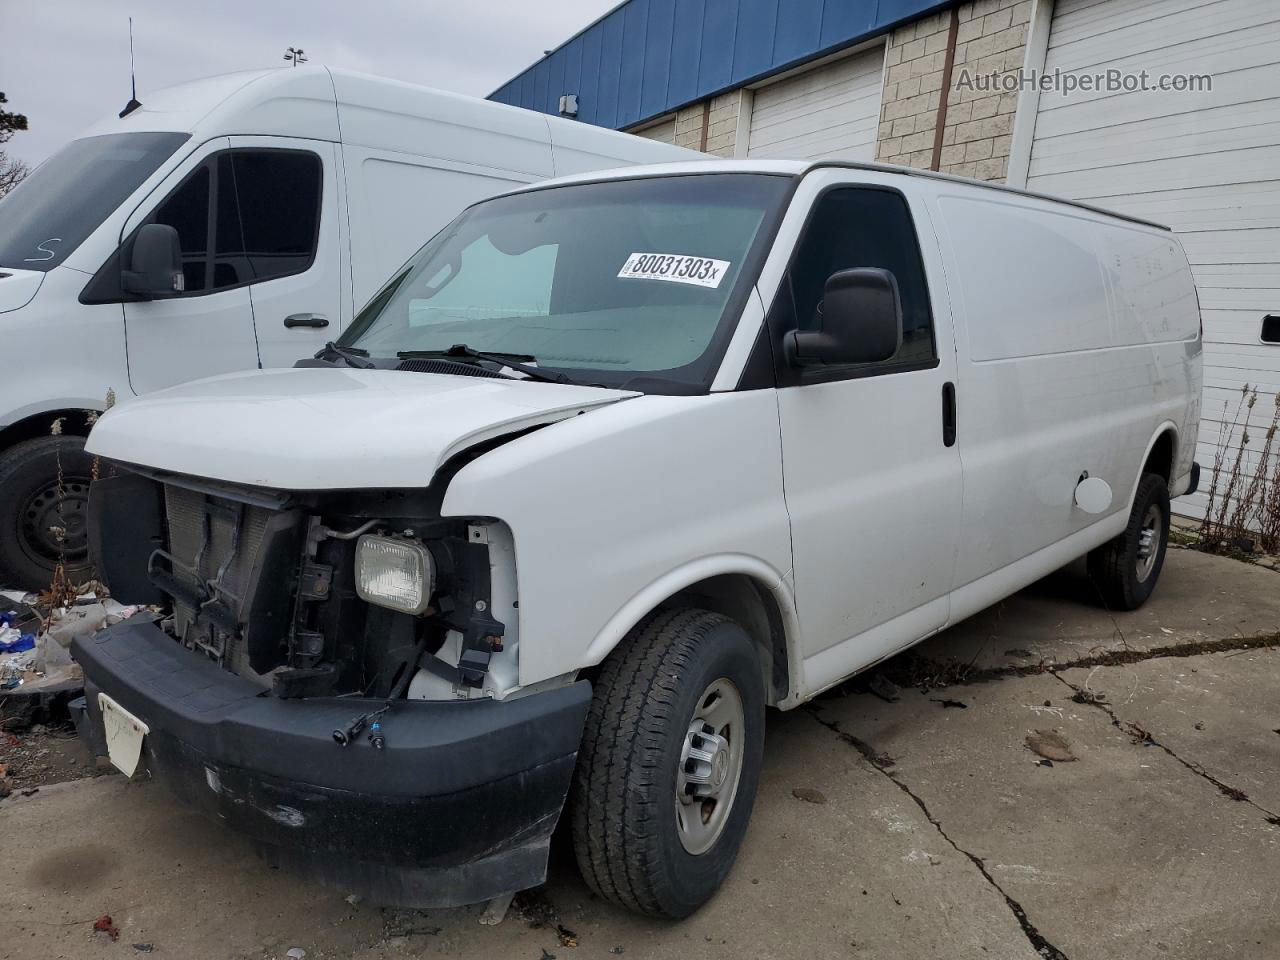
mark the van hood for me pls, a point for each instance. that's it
(327, 429)
(18, 287)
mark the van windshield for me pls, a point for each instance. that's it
(50, 213)
(624, 279)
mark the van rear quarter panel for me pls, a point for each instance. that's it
(1078, 341)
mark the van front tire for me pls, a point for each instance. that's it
(42, 519)
(1125, 570)
(670, 761)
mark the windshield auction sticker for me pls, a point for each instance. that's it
(675, 268)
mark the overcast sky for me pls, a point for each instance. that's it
(65, 63)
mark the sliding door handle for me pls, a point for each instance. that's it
(948, 414)
(305, 320)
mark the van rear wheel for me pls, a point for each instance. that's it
(44, 497)
(670, 762)
(1126, 569)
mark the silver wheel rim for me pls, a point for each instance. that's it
(1149, 542)
(710, 766)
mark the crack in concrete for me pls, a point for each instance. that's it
(882, 762)
(1141, 735)
(913, 670)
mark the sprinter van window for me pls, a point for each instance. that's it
(187, 211)
(260, 209)
(268, 215)
(865, 227)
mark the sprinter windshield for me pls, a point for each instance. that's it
(50, 213)
(605, 282)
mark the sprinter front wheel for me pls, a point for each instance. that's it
(669, 764)
(1126, 569)
(44, 495)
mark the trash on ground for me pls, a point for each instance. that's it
(809, 795)
(1051, 745)
(11, 641)
(104, 925)
(295, 953)
(1088, 697)
(884, 688)
(958, 704)
(78, 621)
(37, 671)
(567, 937)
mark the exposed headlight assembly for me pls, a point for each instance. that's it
(398, 574)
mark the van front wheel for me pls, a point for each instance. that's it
(669, 764)
(1126, 569)
(44, 496)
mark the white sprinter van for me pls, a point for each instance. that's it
(290, 195)
(614, 464)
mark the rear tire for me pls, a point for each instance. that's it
(33, 504)
(1125, 570)
(677, 716)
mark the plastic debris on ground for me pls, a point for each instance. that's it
(36, 637)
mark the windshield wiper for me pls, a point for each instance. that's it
(353, 356)
(460, 351)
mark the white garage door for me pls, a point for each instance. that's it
(829, 111)
(1206, 163)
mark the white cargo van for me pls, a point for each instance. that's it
(231, 223)
(611, 466)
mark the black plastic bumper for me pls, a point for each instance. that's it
(458, 807)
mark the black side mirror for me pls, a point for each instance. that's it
(861, 321)
(155, 263)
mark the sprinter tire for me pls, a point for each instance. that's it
(34, 501)
(1126, 569)
(632, 834)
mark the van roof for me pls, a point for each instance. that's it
(300, 102)
(798, 168)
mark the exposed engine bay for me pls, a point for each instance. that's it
(316, 594)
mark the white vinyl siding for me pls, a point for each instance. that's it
(1206, 163)
(831, 111)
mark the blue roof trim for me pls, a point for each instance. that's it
(645, 58)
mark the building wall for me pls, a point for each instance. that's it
(716, 120)
(977, 131)
(722, 127)
(991, 36)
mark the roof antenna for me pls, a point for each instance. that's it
(133, 103)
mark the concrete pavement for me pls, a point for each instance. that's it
(937, 832)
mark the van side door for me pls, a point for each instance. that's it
(283, 237)
(208, 328)
(870, 466)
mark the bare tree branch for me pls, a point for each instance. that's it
(12, 172)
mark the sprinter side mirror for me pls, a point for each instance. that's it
(155, 263)
(860, 321)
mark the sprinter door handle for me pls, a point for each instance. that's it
(948, 414)
(305, 320)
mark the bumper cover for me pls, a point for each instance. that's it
(458, 807)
